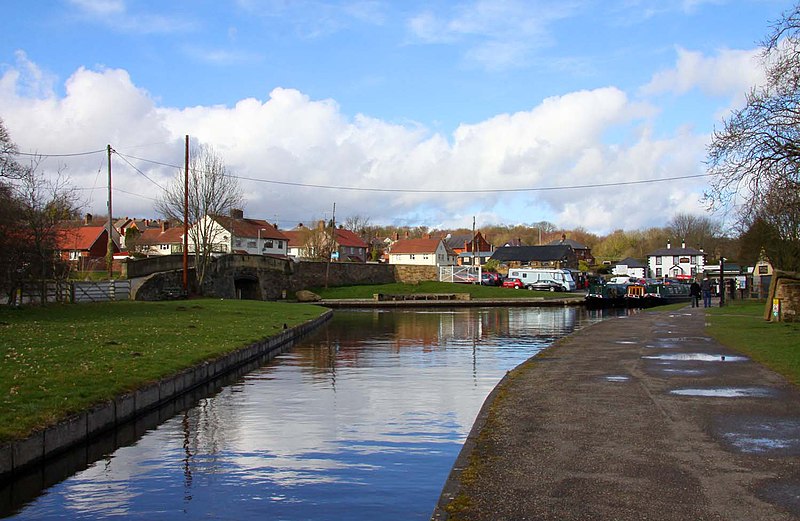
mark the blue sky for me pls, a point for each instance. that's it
(434, 96)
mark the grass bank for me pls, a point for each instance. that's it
(741, 326)
(476, 291)
(58, 360)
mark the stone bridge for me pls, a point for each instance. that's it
(260, 277)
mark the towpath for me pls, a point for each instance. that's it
(635, 418)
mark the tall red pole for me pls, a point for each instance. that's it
(186, 221)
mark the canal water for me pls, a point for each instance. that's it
(362, 419)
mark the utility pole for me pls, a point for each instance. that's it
(332, 244)
(186, 221)
(473, 241)
(110, 245)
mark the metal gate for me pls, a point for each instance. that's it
(463, 274)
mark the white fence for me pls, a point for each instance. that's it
(464, 274)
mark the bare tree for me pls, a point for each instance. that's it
(213, 191)
(756, 155)
(9, 167)
(357, 224)
(697, 231)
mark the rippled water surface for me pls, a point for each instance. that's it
(363, 419)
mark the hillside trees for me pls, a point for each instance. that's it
(755, 158)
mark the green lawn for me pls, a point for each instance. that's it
(475, 290)
(741, 326)
(57, 360)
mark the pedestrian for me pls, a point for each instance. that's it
(694, 292)
(705, 289)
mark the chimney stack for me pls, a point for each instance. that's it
(237, 213)
(87, 219)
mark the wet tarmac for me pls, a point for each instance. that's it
(642, 417)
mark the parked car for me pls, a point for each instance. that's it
(513, 283)
(546, 285)
(491, 279)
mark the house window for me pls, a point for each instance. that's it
(676, 260)
(280, 245)
(658, 261)
(165, 247)
(268, 244)
(74, 255)
(251, 244)
(658, 272)
(239, 243)
(411, 256)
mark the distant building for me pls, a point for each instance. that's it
(630, 267)
(422, 252)
(551, 256)
(583, 252)
(676, 262)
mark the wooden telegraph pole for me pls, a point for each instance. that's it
(110, 245)
(186, 221)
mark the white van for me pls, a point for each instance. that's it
(543, 278)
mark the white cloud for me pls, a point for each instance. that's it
(728, 73)
(290, 138)
(116, 15)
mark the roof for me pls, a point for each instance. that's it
(568, 242)
(415, 246)
(295, 238)
(79, 237)
(172, 235)
(347, 238)
(675, 251)
(249, 228)
(632, 263)
(532, 253)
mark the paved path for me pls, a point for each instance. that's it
(596, 428)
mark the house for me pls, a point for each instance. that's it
(680, 262)
(583, 252)
(422, 252)
(235, 234)
(559, 256)
(84, 247)
(463, 245)
(311, 243)
(630, 267)
(164, 240)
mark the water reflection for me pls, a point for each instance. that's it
(364, 418)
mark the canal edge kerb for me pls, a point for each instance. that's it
(80, 428)
(452, 485)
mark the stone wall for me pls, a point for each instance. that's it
(268, 278)
(785, 287)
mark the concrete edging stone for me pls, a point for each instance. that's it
(80, 428)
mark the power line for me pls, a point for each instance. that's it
(140, 172)
(89, 153)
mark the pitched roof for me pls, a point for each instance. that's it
(531, 253)
(675, 251)
(249, 228)
(172, 235)
(416, 246)
(79, 237)
(632, 263)
(295, 238)
(568, 242)
(347, 238)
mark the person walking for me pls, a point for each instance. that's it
(694, 292)
(705, 289)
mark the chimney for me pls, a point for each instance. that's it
(396, 236)
(407, 235)
(164, 225)
(87, 219)
(321, 225)
(683, 244)
(668, 245)
(237, 213)
(563, 238)
(300, 226)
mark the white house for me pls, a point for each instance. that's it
(676, 262)
(421, 252)
(630, 267)
(235, 234)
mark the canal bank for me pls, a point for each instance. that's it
(642, 417)
(16, 456)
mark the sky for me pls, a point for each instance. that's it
(592, 114)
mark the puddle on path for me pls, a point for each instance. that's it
(685, 372)
(617, 378)
(761, 435)
(696, 357)
(627, 342)
(728, 392)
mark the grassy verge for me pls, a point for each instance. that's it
(57, 360)
(475, 290)
(741, 326)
